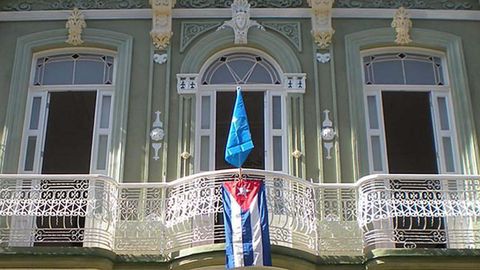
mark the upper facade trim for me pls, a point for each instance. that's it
(15, 5)
(188, 13)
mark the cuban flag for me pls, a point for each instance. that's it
(246, 224)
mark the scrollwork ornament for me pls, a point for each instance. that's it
(75, 25)
(254, 3)
(191, 30)
(29, 5)
(185, 155)
(297, 154)
(160, 58)
(323, 57)
(402, 24)
(290, 30)
(411, 4)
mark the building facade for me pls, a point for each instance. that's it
(115, 115)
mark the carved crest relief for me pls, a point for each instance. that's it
(240, 22)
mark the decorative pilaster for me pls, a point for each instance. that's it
(322, 30)
(161, 23)
(240, 22)
(75, 24)
(402, 24)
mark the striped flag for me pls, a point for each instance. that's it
(246, 224)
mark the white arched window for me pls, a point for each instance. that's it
(206, 102)
(410, 121)
(68, 120)
(264, 97)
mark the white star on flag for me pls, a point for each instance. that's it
(243, 191)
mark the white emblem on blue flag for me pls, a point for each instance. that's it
(239, 141)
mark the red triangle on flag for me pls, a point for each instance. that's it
(243, 191)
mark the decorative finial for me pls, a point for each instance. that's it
(75, 25)
(402, 24)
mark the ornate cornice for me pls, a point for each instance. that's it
(27, 5)
(410, 4)
(253, 3)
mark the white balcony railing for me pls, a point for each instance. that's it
(394, 211)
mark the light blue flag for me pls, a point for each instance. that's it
(239, 142)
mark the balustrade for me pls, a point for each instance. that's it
(378, 211)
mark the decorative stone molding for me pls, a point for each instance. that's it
(191, 30)
(412, 4)
(254, 3)
(187, 83)
(185, 155)
(29, 5)
(75, 24)
(161, 23)
(402, 24)
(297, 154)
(295, 82)
(328, 134)
(290, 30)
(160, 58)
(322, 30)
(240, 22)
(156, 135)
(323, 57)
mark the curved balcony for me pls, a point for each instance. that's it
(378, 211)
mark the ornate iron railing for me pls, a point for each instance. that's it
(408, 211)
(396, 211)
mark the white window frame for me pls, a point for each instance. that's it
(435, 92)
(270, 90)
(44, 91)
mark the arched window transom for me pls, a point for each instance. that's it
(403, 68)
(241, 68)
(74, 68)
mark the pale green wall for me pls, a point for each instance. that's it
(149, 83)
